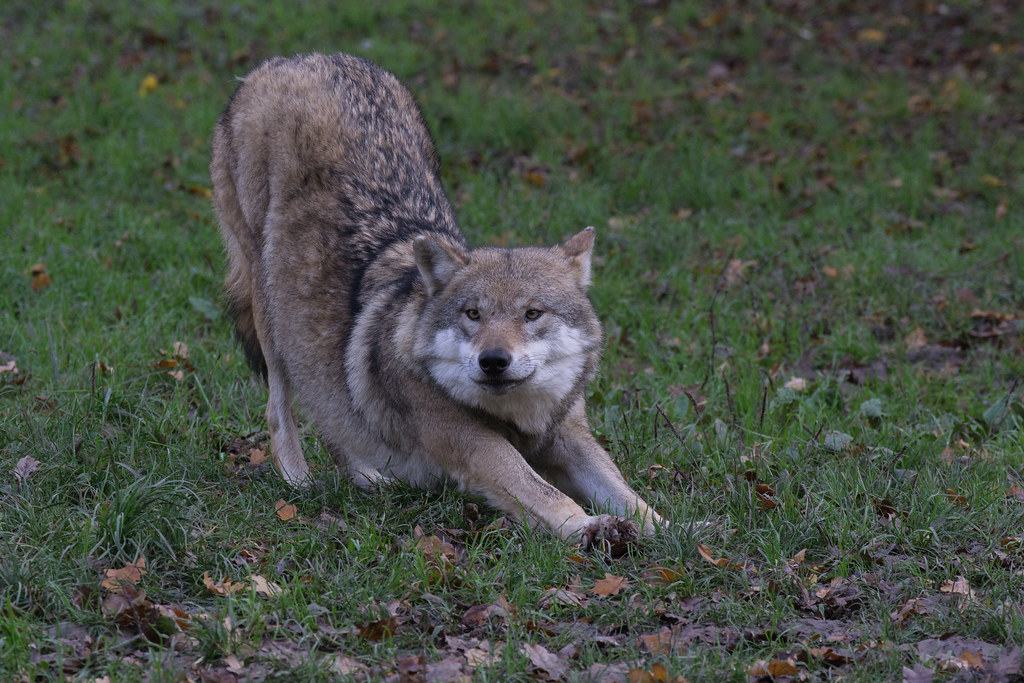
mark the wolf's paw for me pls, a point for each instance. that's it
(610, 533)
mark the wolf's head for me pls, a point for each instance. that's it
(509, 331)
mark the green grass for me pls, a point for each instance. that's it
(777, 194)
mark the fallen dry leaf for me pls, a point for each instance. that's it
(912, 606)
(796, 383)
(257, 456)
(885, 508)
(871, 35)
(131, 573)
(25, 468)
(40, 278)
(955, 498)
(661, 576)
(774, 668)
(439, 555)
(8, 365)
(916, 339)
(345, 666)
(545, 661)
(959, 586)
(480, 615)
(1001, 209)
(723, 562)
(285, 511)
(148, 85)
(736, 271)
(233, 664)
(609, 585)
(561, 596)
(264, 586)
(484, 654)
(657, 674)
(223, 587)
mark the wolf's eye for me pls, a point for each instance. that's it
(472, 314)
(532, 313)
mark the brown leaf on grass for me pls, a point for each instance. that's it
(480, 615)
(379, 629)
(736, 271)
(285, 511)
(958, 586)
(345, 666)
(919, 674)
(223, 587)
(130, 574)
(439, 555)
(885, 508)
(8, 365)
(916, 339)
(448, 670)
(1015, 491)
(617, 672)
(233, 664)
(25, 468)
(609, 585)
(264, 586)
(994, 316)
(546, 662)
(910, 607)
(1001, 209)
(958, 653)
(796, 383)
(484, 654)
(130, 610)
(179, 350)
(40, 278)
(534, 178)
(660, 576)
(257, 456)
(955, 498)
(657, 674)
(664, 641)
(774, 668)
(765, 495)
(723, 562)
(837, 596)
(831, 656)
(871, 35)
(563, 597)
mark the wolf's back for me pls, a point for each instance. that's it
(328, 153)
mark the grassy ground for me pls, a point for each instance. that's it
(808, 263)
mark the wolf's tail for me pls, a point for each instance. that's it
(238, 300)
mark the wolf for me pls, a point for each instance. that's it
(356, 295)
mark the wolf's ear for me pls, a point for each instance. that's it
(437, 263)
(578, 249)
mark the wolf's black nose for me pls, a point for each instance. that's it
(494, 361)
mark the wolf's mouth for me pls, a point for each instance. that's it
(498, 385)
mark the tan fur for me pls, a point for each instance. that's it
(356, 294)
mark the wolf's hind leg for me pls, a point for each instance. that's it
(365, 476)
(284, 433)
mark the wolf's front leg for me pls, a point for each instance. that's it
(487, 465)
(578, 465)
